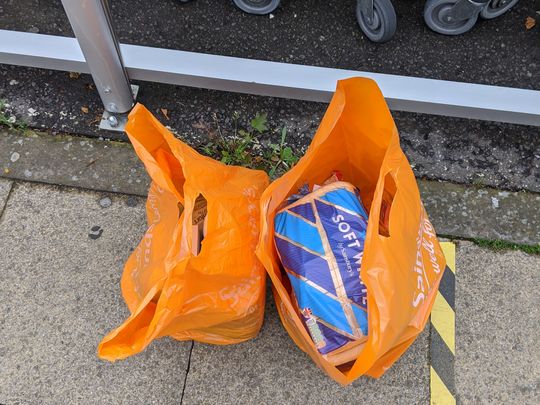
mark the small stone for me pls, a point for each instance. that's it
(14, 157)
(131, 202)
(271, 16)
(13, 82)
(105, 202)
(27, 173)
(12, 119)
(96, 232)
(494, 202)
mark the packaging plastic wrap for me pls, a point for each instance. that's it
(320, 241)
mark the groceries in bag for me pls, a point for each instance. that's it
(402, 261)
(194, 274)
(320, 241)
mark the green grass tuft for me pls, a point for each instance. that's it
(500, 245)
(242, 146)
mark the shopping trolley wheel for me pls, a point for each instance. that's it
(496, 8)
(381, 25)
(259, 7)
(438, 17)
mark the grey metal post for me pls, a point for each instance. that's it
(92, 24)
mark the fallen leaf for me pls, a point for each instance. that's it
(530, 22)
(84, 110)
(74, 75)
(6, 170)
(165, 112)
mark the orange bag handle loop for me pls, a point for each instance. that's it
(152, 146)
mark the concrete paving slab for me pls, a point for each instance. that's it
(72, 161)
(272, 370)
(497, 318)
(481, 212)
(60, 295)
(5, 187)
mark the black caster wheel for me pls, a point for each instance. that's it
(496, 8)
(437, 17)
(259, 7)
(381, 26)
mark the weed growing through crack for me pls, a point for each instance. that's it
(10, 121)
(281, 156)
(243, 147)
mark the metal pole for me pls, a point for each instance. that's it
(92, 25)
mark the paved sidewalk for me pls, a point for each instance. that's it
(60, 295)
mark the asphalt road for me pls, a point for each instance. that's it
(315, 32)
(499, 52)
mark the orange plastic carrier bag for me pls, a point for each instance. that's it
(402, 261)
(173, 284)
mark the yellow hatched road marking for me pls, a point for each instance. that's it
(443, 319)
(449, 250)
(439, 393)
(442, 378)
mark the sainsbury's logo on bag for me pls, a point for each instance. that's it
(425, 246)
(148, 236)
